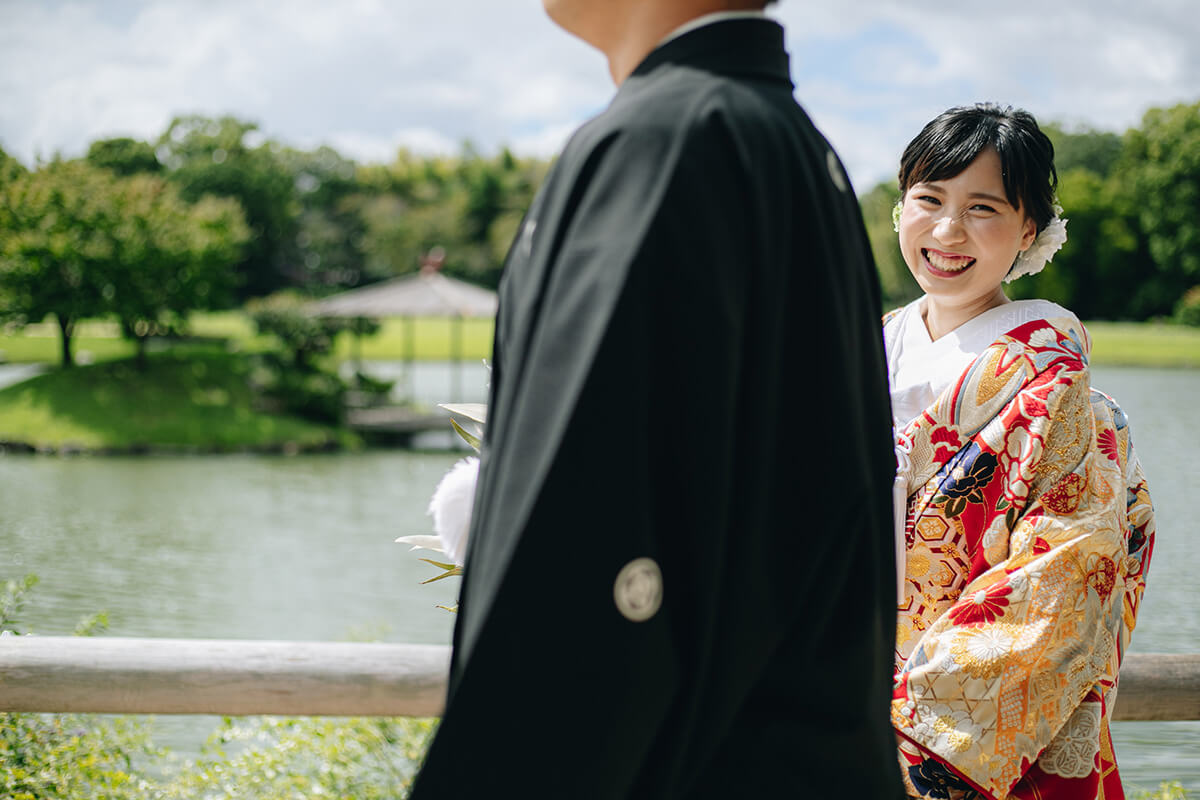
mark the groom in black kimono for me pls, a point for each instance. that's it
(679, 580)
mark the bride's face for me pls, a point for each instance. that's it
(959, 236)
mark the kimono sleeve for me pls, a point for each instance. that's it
(1031, 647)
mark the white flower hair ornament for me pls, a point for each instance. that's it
(1048, 242)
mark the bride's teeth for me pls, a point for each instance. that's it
(948, 264)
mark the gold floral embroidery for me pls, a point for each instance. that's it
(958, 740)
(1065, 495)
(981, 651)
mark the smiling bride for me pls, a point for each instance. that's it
(1023, 525)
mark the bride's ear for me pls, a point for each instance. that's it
(1028, 233)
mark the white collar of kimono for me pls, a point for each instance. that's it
(709, 19)
(919, 368)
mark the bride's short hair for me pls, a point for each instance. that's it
(951, 141)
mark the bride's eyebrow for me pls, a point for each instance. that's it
(934, 186)
(986, 196)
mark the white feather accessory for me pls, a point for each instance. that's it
(451, 507)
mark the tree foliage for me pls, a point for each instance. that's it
(10, 168)
(226, 157)
(470, 206)
(1095, 151)
(330, 231)
(124, 156)
(77, 241)
(894, 278)
(170, 257)
(1161, 164)
(54, 256)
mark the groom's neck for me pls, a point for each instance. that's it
(627, 30)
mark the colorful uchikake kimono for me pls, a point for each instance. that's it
(1026, 541)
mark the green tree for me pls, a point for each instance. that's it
(895, 280)
(170, 257)
(123, 156)
(10, 168)
(469, 205)
(329, 246)
(495, 193)
(53, 248)
(1095, 151)
(226, 157)
(298, 380)
(1160, 166)
(407, 208)
(1103, 269)
(77, 241)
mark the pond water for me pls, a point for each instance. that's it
(301, 548)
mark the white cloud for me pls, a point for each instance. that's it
(1100, 64)
(367, 76)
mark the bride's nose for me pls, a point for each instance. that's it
(948, 228)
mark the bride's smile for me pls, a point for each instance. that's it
(946, 265)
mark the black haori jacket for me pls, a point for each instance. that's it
(680, 580)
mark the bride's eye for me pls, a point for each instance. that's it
(924, 198)
(983, 207)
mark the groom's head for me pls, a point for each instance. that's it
(571, 14)
(625, 30)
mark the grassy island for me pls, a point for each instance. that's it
(198, 398)
(199, 401)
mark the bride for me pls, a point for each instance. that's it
(1024, 527)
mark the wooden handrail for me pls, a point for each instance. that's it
(228, 677)
(1159, 686)
(236, 678)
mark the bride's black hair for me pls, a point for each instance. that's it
(951, 141)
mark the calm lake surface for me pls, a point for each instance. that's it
(301, 548)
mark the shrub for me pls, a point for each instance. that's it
(91, 757)
(67, 756)
(294, 759)
(1187, 310)
(1167, 790)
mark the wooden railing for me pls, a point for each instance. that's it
(205, 676)
(199, 676)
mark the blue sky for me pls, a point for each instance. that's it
(368, 76)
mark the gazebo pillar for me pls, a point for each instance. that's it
(456, 346)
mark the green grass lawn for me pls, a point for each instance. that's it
(198, 400)
(1144, 344)
(425, 339)
(428, 339)
(39, 343)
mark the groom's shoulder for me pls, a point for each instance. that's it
(682, 96)
(681, 105)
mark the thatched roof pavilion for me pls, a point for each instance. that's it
(427, 293)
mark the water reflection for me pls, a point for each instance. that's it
(226, 547)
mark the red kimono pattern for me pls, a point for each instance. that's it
(1029, 530)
